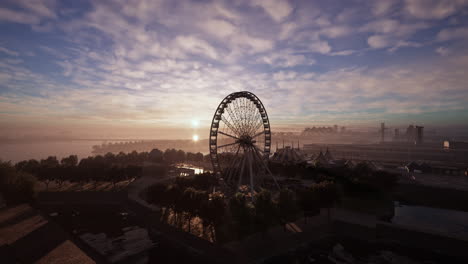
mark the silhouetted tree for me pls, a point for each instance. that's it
(265, 210)
(156, 155)
(30, 166)
(287, 206)
(242, 213)
(326, 195)
(70, 161)
(170, 156)
(308, 202)
(180, 156)
(212, 211)
(16, 186)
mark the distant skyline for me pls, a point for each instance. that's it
(158, 69)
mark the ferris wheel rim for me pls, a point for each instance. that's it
(217, 117)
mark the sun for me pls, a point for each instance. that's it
(195, 138)
(195, 123)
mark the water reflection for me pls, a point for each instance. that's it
(450, 222)
(187, 169)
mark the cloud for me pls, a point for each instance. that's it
(285, 59)
(320, 46)
(336, 31)
(343, 53)
(134, 63)
(8, 51)
(442, 51)
(195, 45)
(17, 17)
(378, 41)
(30, 12)
(402, 44)
(382, 7)
(393, 27)
(277, 9)
(218, 27)
(452, 33)
(433, 9)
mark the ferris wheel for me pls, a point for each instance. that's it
(240, 142)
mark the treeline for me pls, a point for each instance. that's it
(238, 215)
(145, 145)
(110, 167)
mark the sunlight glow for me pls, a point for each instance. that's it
(195, 138)
(195, 123)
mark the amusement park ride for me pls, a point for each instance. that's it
(240, 142)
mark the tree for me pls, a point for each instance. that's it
(156, 155)
(242, 213)
(47, 171)
(155, 193)
(187, 204)
(308, 202)
(70, 161)
(287, 206)
(50, 162)
(190, 156)
(265, 210)
(109, 157)
(212, 211)
(133, 172)
(115, 175)
(180, 156)
(16, 186)
(170, 156)
(198, 157)
(30, 166)
(204, 181)
(326, 195)
(172, 198)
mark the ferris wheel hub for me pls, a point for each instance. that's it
(246, 141)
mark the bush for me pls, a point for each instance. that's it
(16, 186)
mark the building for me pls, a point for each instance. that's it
(419, 135)
(288, 156)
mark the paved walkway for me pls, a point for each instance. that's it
(135, 188)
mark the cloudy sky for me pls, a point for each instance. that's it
(149, 68)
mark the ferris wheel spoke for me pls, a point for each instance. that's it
(226, 134)
(227, 145)
(232, 166)
(241, 170)
(233, 118)
(251, 175)
(251, 116)
(229, 125)
(258, 134)
(262, 163)
(258, 149)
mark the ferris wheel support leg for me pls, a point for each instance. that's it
(267, 169)
(232, 165)
(251, 176)
(241, 172)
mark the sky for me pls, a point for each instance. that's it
(158, 69)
